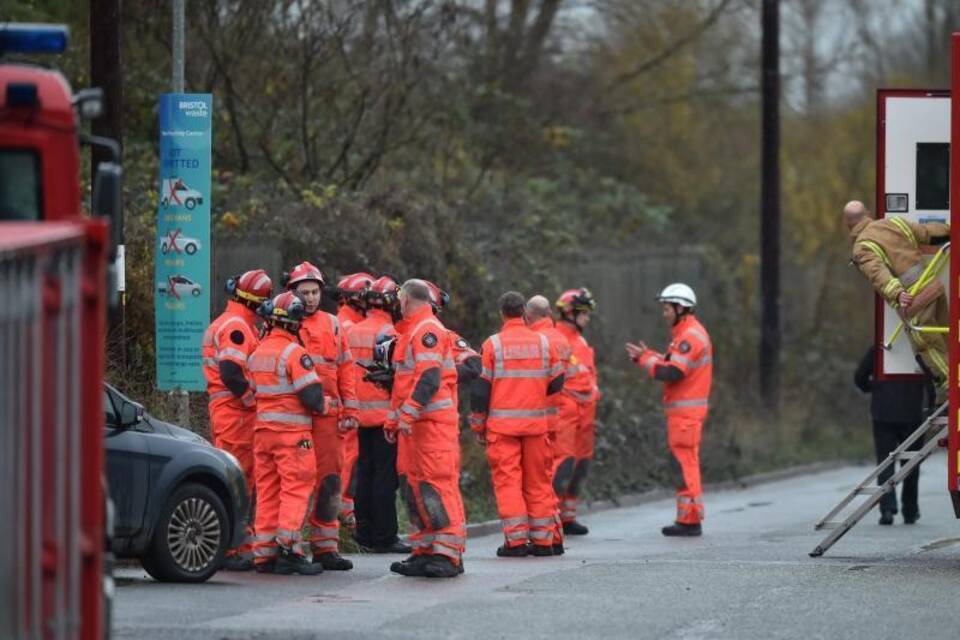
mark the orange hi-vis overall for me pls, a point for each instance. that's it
(428, 460)
(348, 317)
(285, 464)
(373, 402)
(573, 449)
(557, 403)
(518, 365)
(327, 345)
(232, 337)
(686, 403)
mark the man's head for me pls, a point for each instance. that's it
(538, 308)
(854, 212)
(307, 281)
(413, 295)
(511, 305)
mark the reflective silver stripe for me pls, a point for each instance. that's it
(514, 522)
(544, 351)
(373, 405)
(447, 551)
(522, 373)
(287, 533)
(221, 394)
(230, 351)
(676, 357)
(310, 378)
(521, 534)
(497, 355)
(351, 404)
(448, 538)
(266, 552)
(275, 389)
(323, 532)
(392, 415)
(290, 418)
(263, 537)
(344, 357)
(413, 412)
(210, 362)
(436, 406)
(541, 534)
(705, 360)
(699, 335)
(282, 362)
(433, 357)
(541, 522)
(518, 413)
(556, 370)
(423, 543)
(681, 404)
(579, 396)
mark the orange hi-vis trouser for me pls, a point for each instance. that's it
(232, 430)
(349, 454)
(573, 452)
(429, 463)
(324, 515)
(286, 473)
(520, 470)
(683, 437)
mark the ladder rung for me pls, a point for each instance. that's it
(868, 491)
(908, 455)
(829, 525)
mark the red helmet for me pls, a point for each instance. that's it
(383, 292)
(573, 300)
(304, 272)
(251, 287)
(287, 310)
(352, 286)
(438, 297)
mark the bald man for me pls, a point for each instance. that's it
(887, 252)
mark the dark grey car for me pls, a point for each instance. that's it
(179, 502)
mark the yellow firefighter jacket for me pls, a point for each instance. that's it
(887, 252)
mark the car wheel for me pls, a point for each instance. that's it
(190, 249)
(196, 292)
(190, 203)
(164, 248)
(191, 537)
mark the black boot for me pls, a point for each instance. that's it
(266, 567)
(558, 549)
(411, 567)
(519, 551)
(332, 561)
(289, 563)
(886, 518)
(541, 551)
(236, 563)
(680, 529)
(439, 566)
(911, 517)
(574, 529)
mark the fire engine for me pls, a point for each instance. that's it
(54, 283)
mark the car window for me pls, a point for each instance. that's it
(110, 418)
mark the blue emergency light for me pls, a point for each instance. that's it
(33, 38)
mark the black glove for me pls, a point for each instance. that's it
(380, 375)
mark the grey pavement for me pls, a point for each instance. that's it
(748, 577)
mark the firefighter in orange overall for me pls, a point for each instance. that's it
(288, 394)
(376, 473)
(686, 370)
(539, 319)
(326, 343)
(351, 311)
(509, 416)
(227, 343)
(425, 419)
(575, 428)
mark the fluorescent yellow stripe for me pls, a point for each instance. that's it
(873, 246)
(905, 230)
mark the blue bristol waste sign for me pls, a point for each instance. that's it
(182, 282)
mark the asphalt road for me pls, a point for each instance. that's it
(748, 577)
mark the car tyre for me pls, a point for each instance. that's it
(190, 203)
(191, 249)
(190, 538)
(164, 248)
(196, 292)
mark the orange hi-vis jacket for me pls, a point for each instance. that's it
(691, 352)
(348, 316)
(281, 368)
(519, 366)
(559, 345)
(326, 342)
(580, 381)
(373, 402)
(425, 376)
(231, 336)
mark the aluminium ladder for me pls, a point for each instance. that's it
(936, 426)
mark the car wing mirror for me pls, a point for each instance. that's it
(131, 414)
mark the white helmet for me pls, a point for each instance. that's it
(678, 293)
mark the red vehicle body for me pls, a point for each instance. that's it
(53, 283)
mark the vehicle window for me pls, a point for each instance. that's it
(933, 176)
(20, 193)
(110, 418)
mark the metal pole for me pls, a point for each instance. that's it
(179, 36)
(770, 210)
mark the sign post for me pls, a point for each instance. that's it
(182, 293)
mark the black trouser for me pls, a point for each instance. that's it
(887, 436)
(375, 500)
